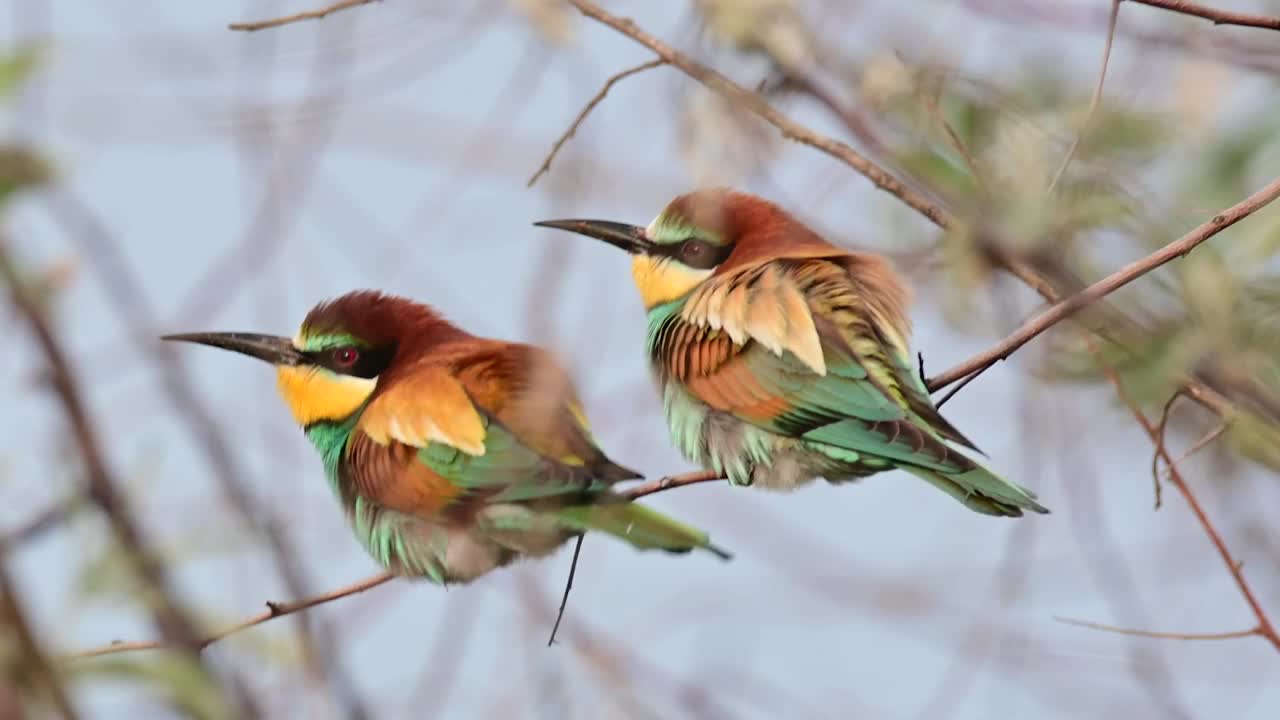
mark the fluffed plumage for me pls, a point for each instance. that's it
(782, 358)
(452, 454)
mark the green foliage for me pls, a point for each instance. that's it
(16, 68)
(20, 166)
(175, 678)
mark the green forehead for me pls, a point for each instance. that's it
(670, 228)
(314, 341)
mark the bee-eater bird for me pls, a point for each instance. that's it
(782, 358)
(451, 454)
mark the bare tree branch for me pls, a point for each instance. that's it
(1217, 17)
(274, 610)
(1094, 99)
(299, 17)
(1264, 628)
(591, 105)
(1152, 634)
(754, 102)
(280, 609)
(170, 618)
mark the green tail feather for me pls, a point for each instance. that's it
(982, 491)
(642, 527)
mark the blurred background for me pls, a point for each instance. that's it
(160, 172)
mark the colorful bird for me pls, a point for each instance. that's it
(452, 454)
(782, 358)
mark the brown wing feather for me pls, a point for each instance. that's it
(527, 391)
(391, 476)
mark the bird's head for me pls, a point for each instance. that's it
(698, 235)
(329, 370)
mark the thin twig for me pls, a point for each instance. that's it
(1217, 17)
(568, 585)
(639, 491)
(279, 609)
(1203, 442)
(1264, 629)
(1116, 280)
(755, 103)
(1094, 100)
(299, 17)
(274, 610)
(1161, 429)
(591, 105)
(1152, 634)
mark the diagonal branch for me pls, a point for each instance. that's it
(1217, 17)
(319, 14)
(582, 116)
(755, 103)
(280, 609)
(1116, 280)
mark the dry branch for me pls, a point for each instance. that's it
(1217, 17)
(582, 116)
(1153, 634)
(299, 17)
(280, 609)
(1264, 627)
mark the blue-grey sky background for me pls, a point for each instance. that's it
(388, 147)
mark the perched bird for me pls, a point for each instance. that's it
(782, 358)
(452, 454)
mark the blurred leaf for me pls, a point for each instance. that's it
(1120, 132)
(17, 67)
(552, 18)
(177, 677)
(20, 168)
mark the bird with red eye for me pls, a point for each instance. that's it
(345, 357)
(451, 454)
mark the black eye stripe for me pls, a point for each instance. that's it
(695, 253)
(370, 362)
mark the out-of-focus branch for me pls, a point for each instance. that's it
(1116, 280)
(319, 14)
(1264, 627)
(591, 105)
(31, 669)
(280, 609)
(170, 618)
(41, 522)
(1217, 17)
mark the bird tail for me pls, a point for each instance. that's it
(642, 527)
(981, 490)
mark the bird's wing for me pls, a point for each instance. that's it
(495, 423)
(796, 347)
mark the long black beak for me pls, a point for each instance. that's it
(628, 237)
(275, 350)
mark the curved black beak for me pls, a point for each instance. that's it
(275, 350)
(628, 237)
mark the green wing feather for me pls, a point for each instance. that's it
(870, 399)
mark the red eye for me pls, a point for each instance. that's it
(345, 357)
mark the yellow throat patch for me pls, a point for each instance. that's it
(662, 280)
(315, 395)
